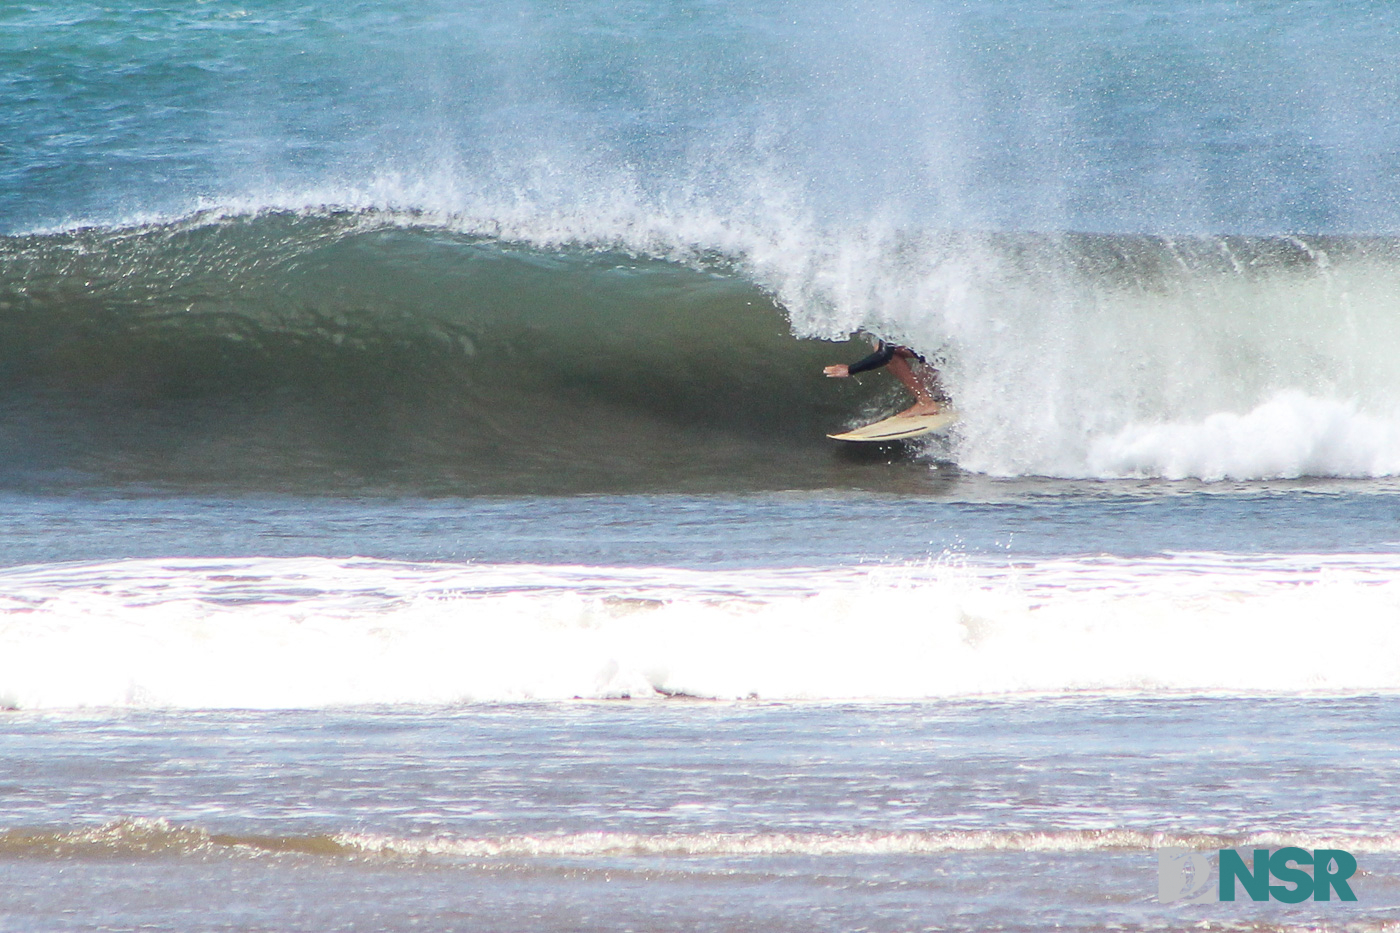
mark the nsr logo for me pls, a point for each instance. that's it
(1185, 876)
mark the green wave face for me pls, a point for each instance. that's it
(344, 351)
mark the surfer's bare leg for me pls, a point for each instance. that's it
(924, 402)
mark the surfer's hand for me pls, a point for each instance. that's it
(838, 371)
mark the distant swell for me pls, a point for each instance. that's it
(161, 839)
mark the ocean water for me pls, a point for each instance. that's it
(416, 510)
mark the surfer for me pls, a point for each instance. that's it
(922, 384)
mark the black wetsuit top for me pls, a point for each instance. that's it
(884, 352)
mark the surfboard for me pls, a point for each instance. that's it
(900, 427)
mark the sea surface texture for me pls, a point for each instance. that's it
(416, 511)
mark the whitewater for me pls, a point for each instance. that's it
(314, 633)
(416, 509)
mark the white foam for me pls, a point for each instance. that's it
(308, 633)
(160, 837)
(1290, 435)
(767, 845)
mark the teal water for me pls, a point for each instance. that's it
(1108, 116)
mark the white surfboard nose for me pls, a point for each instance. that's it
(900, 427)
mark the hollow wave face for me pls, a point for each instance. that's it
(282, 350)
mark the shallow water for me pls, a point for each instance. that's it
(684, 815)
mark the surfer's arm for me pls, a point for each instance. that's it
(882, 355)
(884, 352)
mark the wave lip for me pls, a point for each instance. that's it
(317, 633)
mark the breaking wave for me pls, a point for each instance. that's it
(325, 348)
